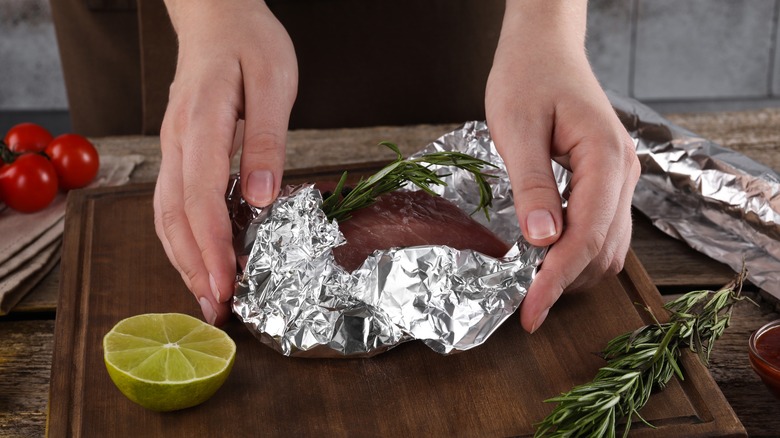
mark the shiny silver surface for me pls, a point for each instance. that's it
(718, 201)
(295, 298)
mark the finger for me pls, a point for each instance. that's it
(160, 230)
(593, 201)
(613, 254)
(238, 138)
(524, 144)
(269, 100)
(181, 246)
(205, 162)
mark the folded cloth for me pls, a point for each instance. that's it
(31, 243)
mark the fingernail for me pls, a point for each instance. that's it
(540, 224)
(208, 310)
(539, 320)
(259, 187)
(214, 288)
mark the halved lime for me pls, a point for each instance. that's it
(167, 361)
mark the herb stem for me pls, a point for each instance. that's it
(641, 361)
(398, 173)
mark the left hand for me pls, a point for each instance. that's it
(543, 102)
(236, 61)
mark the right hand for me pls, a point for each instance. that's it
(544, 102)
(235, 62)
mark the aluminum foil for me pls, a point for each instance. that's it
(295, 298)
(718, 201)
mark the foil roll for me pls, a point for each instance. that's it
(718, 201)
(295, 298)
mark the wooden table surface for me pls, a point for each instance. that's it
(27, 333)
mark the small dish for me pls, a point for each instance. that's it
(764, 354)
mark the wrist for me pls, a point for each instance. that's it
(545, 24)
(175, 10)
(194, 15)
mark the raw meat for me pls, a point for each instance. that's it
(402, 219)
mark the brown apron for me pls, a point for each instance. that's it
(361, 62)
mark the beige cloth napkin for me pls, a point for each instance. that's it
(30, 243)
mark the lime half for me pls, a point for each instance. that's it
(167, 361)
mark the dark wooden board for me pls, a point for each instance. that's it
(25, 365)
(114, 267)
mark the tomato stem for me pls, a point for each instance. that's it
(6, 154)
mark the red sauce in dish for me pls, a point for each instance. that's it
(764, 355)
(768, 346)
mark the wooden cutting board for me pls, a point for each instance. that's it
(114, 266)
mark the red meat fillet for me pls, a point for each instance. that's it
(401, 219)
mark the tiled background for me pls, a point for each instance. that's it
(31, 83)
(676, 55)
(688, 53)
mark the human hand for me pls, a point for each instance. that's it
(543, 102)
(235, 62)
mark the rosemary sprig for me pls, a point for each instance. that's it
(340, 204)
(641, 361)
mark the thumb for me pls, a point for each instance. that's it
(265, 135)
(262, 164)
(525, 147)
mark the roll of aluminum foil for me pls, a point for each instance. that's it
(718, 201)
(294, 297)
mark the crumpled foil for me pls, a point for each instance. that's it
(718, 201)
(294, 297)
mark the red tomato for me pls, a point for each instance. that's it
(29, 183)
(75, 159)
(27, 137)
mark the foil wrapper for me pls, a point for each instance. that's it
(295, 298)
(718, 201)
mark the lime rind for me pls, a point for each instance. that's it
(166, 396)
(167, 362)
(144, 369)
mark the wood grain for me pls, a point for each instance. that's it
(754, 133)
(114, 268)
(25, 364)
(26, 348)
(670, 264)
(756, 407)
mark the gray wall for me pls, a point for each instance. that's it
(30, 72)
(660, 51)
(669, 51)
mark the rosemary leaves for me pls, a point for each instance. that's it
(640, 362)
(402, 171)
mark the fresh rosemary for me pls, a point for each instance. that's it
(639, 362)
(341, 203)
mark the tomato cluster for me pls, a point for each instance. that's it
(35, 165)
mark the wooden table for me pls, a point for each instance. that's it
(26, 335)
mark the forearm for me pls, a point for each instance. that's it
(193, 14)
(547, 23)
